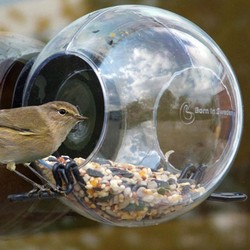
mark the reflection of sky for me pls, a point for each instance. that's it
(139, 146)
(199, 54)
(140, 66)
(146, 72)
(197, 84)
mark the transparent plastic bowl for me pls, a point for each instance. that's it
(160, 96)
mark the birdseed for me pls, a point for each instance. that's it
(122, 191)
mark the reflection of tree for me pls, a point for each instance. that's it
(138, 112)
(169, 106)
(141, 110)
(166, 105)
(182, 99)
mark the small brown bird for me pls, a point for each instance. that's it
(34, 132)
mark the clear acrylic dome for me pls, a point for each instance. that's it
(159, 95)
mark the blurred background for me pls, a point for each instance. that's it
(212, 225)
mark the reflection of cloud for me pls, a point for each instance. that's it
(147, 71)
(142, 73)
(199, 54)
(141, 70)
(146, 64)
(196, 83)
(139, 146)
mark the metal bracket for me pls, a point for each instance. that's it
(227, 197)
(190, 172)
(65, 176)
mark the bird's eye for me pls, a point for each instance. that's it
(62, 112)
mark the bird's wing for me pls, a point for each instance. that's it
(10, 119)
(20, 131)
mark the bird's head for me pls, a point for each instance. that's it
(61, 116)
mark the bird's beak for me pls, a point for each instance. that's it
(80, 117)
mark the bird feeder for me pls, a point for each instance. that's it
(164, 113)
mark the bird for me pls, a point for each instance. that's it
(30, 133)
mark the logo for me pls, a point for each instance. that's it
(186, 116)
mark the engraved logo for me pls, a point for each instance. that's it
(186, 116)
(188, 113)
